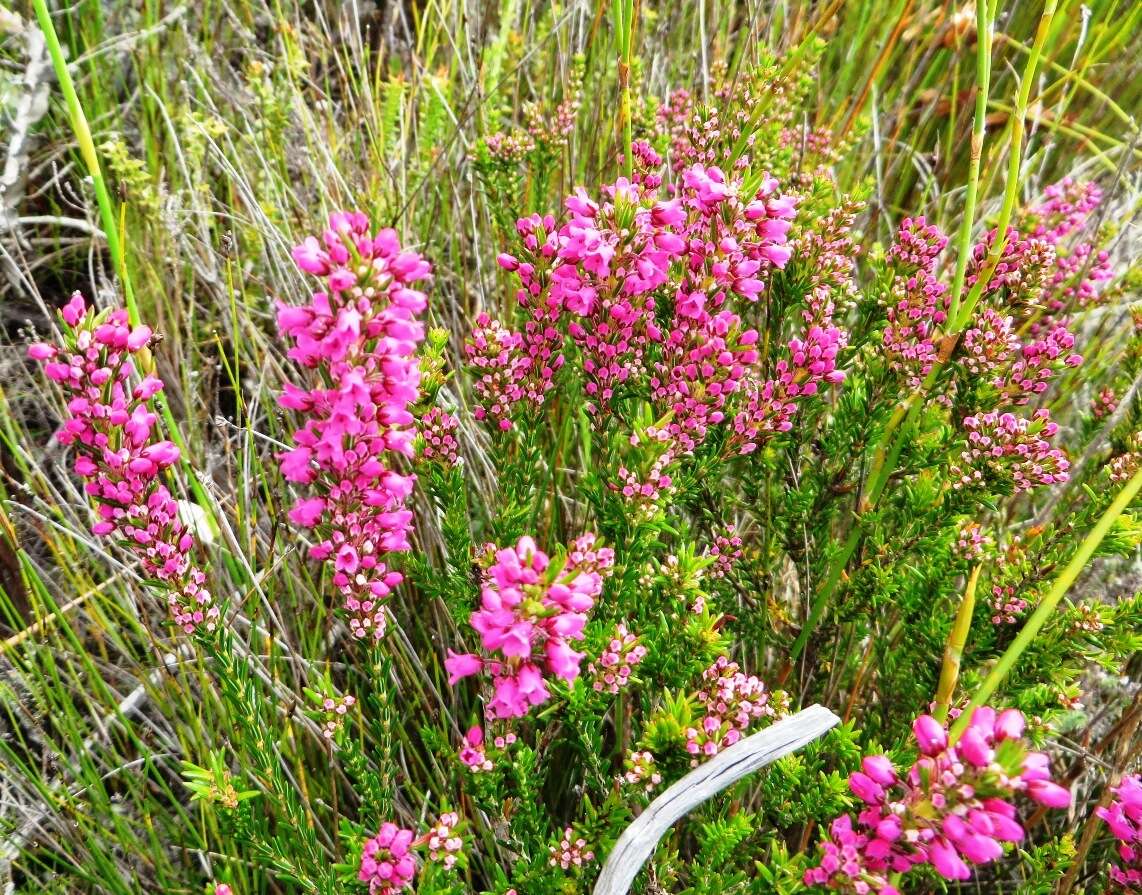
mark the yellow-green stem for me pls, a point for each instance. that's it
(954, 650)
(624, 15)
(1047, 605)
(86, 144)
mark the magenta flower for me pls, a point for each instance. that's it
(110, 429)
(386, 863)
(360, 338)
(952, 810)
(1124, 818)
(528, 615)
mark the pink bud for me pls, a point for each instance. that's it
(880, 769)
(974, 748)
(75, 310)
(1047, 793)
(1009, 725)
(947, 862)
(931, 736)
(865, 788)
(138, 337)
(41, 351)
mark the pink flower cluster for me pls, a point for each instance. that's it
(1078, 277)
(951, 810)
(971, 542)
(1065, 209)
(596, 274)
(443, 843)
(830, 254)
(109, 427)
(1006, 605)
(770, 404)
(1124, 817)
(335, 710)
(529, 612)
(726, 551)
(616, 663)
(1023, 269)
(1122, 467)
(1043, 264)
(1011, 450)
(1037, 363)
(506, 371)
(359, 338)
(474, 752)
(644, 488)
(1104, 404)
(917, 246)
(732, 702)
(571, 851)
(642, 771)
(387, 865)
(1079, 272)
(438, 430)
(918, 301)
(989, 344)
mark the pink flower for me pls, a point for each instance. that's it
(1123, 816)
(462, 665)
(951, 810)
(528, 617)
(307, 512)
(930, 734)
(110, 430)
(361, 337)
(41, 351)
(386, 864)
(1047, 793)
(880, 769)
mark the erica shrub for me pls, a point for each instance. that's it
(715, 436)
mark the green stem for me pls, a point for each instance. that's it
(979, 126)
(624, 15)
(87, 150)
(960, 315)
(1047, 606)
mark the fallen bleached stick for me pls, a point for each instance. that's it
(639, 840)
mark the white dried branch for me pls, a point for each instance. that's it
(30, 108)
(640, 839)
